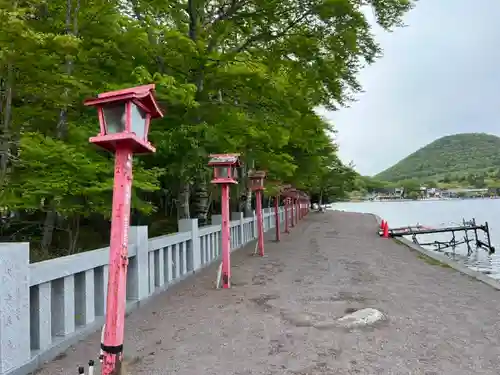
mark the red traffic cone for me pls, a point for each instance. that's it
(386, 230)
(382, 224)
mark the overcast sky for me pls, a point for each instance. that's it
(440, 75)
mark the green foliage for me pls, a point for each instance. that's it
(240, 76)
(449, 159)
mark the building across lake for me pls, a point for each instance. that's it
(433, 193)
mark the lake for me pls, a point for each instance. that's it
(440, 214)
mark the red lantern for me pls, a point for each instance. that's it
(124, 117)
(257, 180)
(225, 168)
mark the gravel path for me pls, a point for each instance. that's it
(275, 318)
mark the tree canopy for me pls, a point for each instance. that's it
(232, 76)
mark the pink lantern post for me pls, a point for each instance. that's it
(301, 205)
(225, 174)
(287, 203)
(257, 184)
(277, 217)
(292, 195)
(276, 214)
(288, 192)
(297, 207)
(124, 118)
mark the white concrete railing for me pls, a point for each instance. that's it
(48, 306)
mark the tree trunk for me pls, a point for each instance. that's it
(6, 110)
(48, 230)
(200, 200)
(73, 233)
(200, 193)
(62, 124)
(248, 211)
(183, 201)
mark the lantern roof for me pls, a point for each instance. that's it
(224, 159)
(289, 191)
(143, 94)
(256, 174)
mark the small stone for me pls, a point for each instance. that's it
(361, 318)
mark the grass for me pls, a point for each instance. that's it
(432, 261)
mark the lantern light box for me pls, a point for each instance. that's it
(257, 180)
(124, 117)
(225, 168)
(289, 192)
(285, 188)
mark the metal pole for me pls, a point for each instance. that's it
(226, 251)
(112, 345)
(260, 223)
(475, 230)
(292, 224)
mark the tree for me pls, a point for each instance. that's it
(410, 186)
(239, 76)
(431, 184)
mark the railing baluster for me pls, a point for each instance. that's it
(40, 313)
(89, 296)
(202, 249)
(183, 246)
(169, 272)
(63, 306)
(151, 271)
(211, 246)
(175, 256)
(160, 270)
(207, 249)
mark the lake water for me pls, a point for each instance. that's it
(440, 214)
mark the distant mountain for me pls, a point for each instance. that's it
(458, 154)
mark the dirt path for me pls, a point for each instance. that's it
(273, 321)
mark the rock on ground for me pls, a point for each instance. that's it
(361, 318)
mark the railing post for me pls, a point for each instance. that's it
(194, 253)
(138, 268)
(15, 306)
(216, 219)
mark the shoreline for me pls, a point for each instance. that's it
(415, 200)
(445, 261)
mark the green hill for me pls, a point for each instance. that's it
(452, 156)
